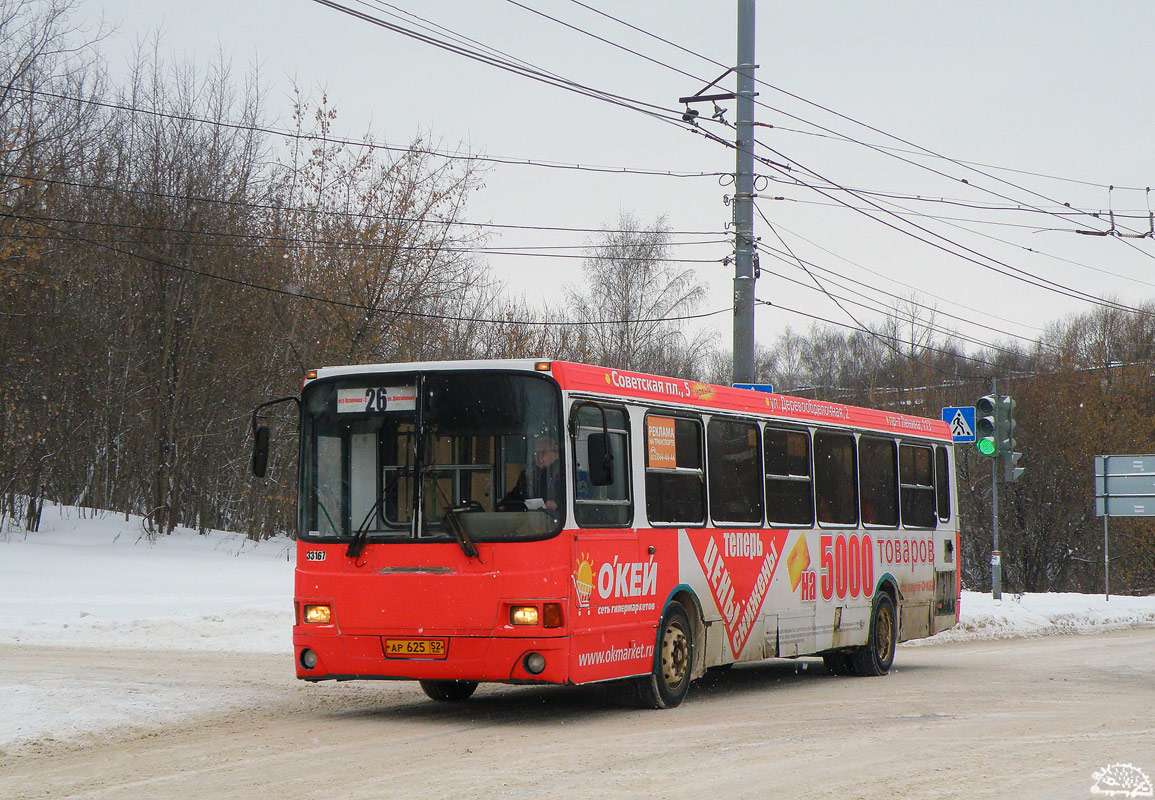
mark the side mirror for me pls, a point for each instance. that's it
(260, 450)
(601, 459)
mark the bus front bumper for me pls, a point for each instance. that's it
(511, 659)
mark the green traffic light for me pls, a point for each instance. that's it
(986, 446)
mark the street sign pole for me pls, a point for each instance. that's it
(1106, 562)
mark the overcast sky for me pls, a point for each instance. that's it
(1058, 89)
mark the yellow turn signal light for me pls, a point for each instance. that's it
(318, 615)
(551, 615)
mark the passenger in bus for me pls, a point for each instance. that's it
(544, 485)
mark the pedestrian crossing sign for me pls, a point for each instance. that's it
(962, 422)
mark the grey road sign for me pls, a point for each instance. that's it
(1125, 506)
(1125, 486)
(1125, 465)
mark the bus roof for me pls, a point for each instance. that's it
(640, 386)
(628, 385)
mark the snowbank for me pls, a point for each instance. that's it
(99, 582)
(1017, 615)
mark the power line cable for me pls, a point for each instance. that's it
(290, 240)
(330, 212)
(366, 143)
(951, 353)
(341, 303)
(921, 291)
(967, 253)
(837, 300)
(792, 260)
(974, 166)
(876, 307)
(658, 112)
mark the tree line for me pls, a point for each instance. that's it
(166, 263)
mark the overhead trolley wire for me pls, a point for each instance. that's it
(504, 63)
(928, 348)
(870, 304)
(920, 150)
(838, 299)
(967, 254)
(902, 283)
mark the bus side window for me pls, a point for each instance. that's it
(835, 481)
(735, 471)
(789, 497)
(610, 505)
(675, 481)
(878, 481)
(916, 473)
(942, 482)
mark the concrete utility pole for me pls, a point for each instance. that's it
(744, 200)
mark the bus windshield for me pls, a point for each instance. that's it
(408, 456)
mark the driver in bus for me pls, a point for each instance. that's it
(544, 484)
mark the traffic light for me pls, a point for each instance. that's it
(986, 425)
(995, 433)
(1005, 438)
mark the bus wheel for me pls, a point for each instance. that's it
(667, 685)
(449, 691)
(878, 654)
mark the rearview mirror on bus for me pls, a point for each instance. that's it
(260, 450)
(601, 459)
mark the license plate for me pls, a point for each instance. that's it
(415, 648)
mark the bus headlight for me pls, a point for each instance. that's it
(534, 663)
(308, 659)
(318, 614)
(523, 615)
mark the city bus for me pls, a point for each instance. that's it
(546, 522)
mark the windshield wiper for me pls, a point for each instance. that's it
(455, 527)
(357, 543)
(459, 533)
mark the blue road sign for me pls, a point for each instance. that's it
(758, 387)
(962, 422)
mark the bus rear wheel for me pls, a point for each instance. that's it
(667, 685)
(877, 655)
(449, 691)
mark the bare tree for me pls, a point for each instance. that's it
(632, 299)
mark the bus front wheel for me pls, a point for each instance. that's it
(667, 685)
(877, 655)
(449, 691)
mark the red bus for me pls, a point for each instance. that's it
(544, 522)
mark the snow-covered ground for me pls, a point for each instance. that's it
(98, 582)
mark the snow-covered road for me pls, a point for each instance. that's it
(99, 584)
